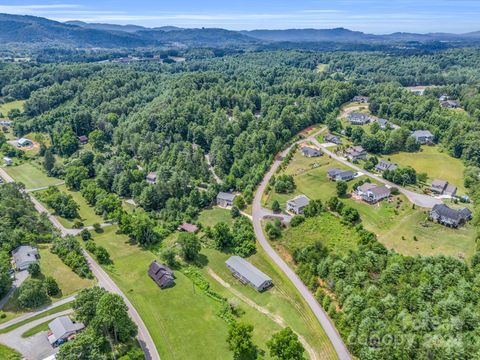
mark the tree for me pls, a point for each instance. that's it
(297, 220)
(102, 255)
(48, 161)
(34, 270)
(85, 235)
(85, 303)
(113, 320)
(276, 206)
(274, 229)
(190, 245)
(285, 345)
(32, 294)
(51, 286)
(341, 188)
(74, 176)
(97, 139)
(239, 202)
(240, 341)
(222, 236)
(168, 255)
(235, 212)
(411, 144)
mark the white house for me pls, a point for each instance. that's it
(24, 256)
(23, 142)
(297, 204)
(8, 161)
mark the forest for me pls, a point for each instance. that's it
(241, 109)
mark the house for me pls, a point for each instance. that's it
(5, 122)
(248, 274)
(361, 99)
(23, 142)
(297, 204)
(447, 216)
(333, 139)
(161, 274)
(358, 118)
(385, 165)
(442, 187)
(191, 228)
(309, 151)
(337, 174)
(372, 193)
(24, 256)
(443, 98)
(450, 104)
(152, 178)
(225, 199)
(385, 124)
(8, 161)
(354, 153)
(61, 329)
(83, 139)
(423, 136)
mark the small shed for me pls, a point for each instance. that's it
(248, 274)
(83, 139)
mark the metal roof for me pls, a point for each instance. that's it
(63, 325)
(247, 271)
(300, 201)
(226, 196)
(422, 133)
(24, 254)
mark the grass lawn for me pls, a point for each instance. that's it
(282, 300)
(5, 108)
(8, 354)
(438, 165)
(325, 228)
(214, 215)
(36, 329)
(182, 320)
(67, 280)
(36, 317)
(31, 175)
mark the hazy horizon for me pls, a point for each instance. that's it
(370, 16)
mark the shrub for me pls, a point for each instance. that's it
(297, 220)
(97, 227)
(85, 235)
(51, 286)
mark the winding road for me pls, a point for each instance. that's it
(144, 337)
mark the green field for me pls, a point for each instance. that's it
(31, 175)
(36, 329)
(438, 165)
(395, 222)
(8, 354)
(5, 108)
(67, 280)
(214, 215)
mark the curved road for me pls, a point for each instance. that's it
(257, 215)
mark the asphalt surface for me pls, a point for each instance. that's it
(20, 277)
(257, 215)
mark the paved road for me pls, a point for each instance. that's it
(20, 277)
(144, 338)
(421, 200)
(35, 347)
(257, 215)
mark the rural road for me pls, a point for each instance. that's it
(212, 170)
(20, 277)
(144, 338)
(257, 216)
(421, 200)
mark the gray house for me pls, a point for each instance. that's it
(161, 274)
(447, 216)
(423, 136)
(450, 104)
(385, 165)
(385, 124)
(23, 142)
(333, 139)
(24, 256)
(358, 118)
(372, 193)
(151, 178)
(309, 151)
(297, 204)
(442, 187)
(248, 274)
(354, 153)
(61, 329)
(225, 199)
(337, 174)
(361, 99)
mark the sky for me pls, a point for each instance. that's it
(371, 16)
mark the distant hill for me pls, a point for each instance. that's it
(107, 27)
(310, 35)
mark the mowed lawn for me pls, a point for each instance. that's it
(210, 217)
(438, 165)
(8, 354)
(67, 280)
(5, 108)
(31, 175)
(281, 300)
(182, 320)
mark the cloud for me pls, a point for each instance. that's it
(36, 8)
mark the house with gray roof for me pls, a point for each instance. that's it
(372, 193)
(161, 274)
(361, 99)
(450, 104)
(61, 329)
(23, 142)
(333, 139)
(423, 136)
(248, 274)
(309, 151)
(337, 174)
(358, 118)
(447, 216)
(385, 124)
(225, 199)
(297, 204)
(151, 178)
(355, 153)
(24, 256)
(385, 165)
(442, 187)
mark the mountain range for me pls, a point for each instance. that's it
(36, 30)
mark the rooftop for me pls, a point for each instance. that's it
(24, 253)
(64, 325)
(300, 200)
(247, 270)
(226, 196)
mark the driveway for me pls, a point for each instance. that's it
(35, 347)
(20, 277)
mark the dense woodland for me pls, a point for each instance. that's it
(241, 110)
